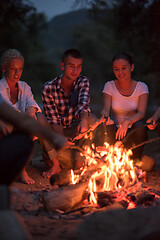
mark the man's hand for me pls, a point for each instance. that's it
(82, 128)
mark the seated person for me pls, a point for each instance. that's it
(154, 120)
(126, 100)
(66, 102)
(16, 148)
(17, 93)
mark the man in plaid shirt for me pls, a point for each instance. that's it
(66, 102)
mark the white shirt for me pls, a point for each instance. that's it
(123, 105)
(25, 96)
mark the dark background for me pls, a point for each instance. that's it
(99, 33)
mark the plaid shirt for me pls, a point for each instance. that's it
(61, 109)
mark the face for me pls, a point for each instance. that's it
(71, 68)
(122, 69)
(13, 70)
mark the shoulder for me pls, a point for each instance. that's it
(3, 83)
(142, 87)
(82, 79)
(51, 84)
(108, 86)
(23, 85)
(109, 83)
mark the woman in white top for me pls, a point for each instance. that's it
(125, 102)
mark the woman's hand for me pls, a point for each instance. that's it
(122, 130)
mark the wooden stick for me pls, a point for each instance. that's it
(141, 144)
(130, 133)
(92, 128)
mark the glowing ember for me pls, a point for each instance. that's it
(113, 169)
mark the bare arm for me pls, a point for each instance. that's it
(154, 119)
(30, 126)
(141, 111)
(31, 111)
(107, 102)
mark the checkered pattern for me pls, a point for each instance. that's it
(57, 105)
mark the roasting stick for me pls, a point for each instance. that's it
(140, 144)
(125, 138)
(92, 128)
(148, 141)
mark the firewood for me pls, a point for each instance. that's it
(65, 198)
(61, 179)
(144, 197)
(64, 177)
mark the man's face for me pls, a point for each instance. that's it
(13, 70)
(71, 68)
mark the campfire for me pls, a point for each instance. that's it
(107, 177)
(114, 169)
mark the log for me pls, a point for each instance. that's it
(65, 198)
(64, 177)
(61, 179)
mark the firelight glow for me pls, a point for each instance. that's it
(114, 169)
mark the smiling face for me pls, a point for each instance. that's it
(122, 69)
(13, 70)
(71, 68)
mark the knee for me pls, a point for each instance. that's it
(26, 143)
(138, 124)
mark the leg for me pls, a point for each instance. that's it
(138, 136)
(49, 152)
(105, 133)
(71, 158)
(15, 151)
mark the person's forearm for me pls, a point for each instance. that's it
(156, 115)
(104, 113)
(84, 115)
(135, 118)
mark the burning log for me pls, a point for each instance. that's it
(61, 179)
(65, 198)
(141, 198)
(65, 177)
(104, 199)
(144, 197)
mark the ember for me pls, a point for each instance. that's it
(115, 171)
(108, 179)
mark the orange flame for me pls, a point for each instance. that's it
(114, 171)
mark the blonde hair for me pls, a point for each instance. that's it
(9, 55)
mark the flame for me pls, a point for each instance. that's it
(74, 178)
(114, 169)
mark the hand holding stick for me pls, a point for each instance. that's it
(91, 129)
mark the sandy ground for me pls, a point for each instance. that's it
(46, 226)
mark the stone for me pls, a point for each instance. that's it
(121, 224)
